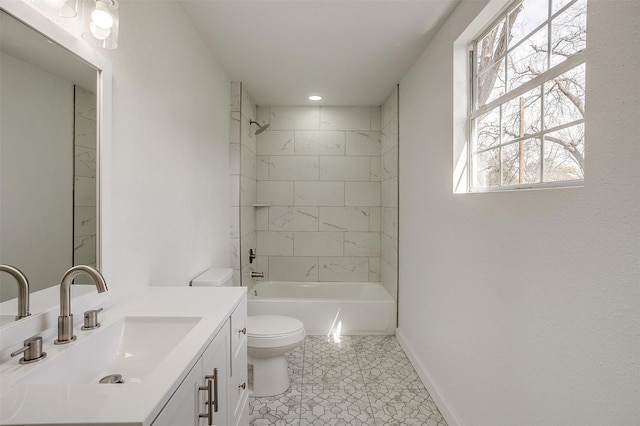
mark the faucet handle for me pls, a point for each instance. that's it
(32, 350)
(91, 319)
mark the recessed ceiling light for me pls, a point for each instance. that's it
(315, 98)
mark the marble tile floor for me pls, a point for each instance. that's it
(359, 380)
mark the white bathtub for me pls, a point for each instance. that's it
(328, 308)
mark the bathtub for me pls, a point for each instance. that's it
(328, 308)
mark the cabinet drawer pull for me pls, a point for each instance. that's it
(215, 390)
(213, 401)
(243, 330)
(209, 414)
(243, 386)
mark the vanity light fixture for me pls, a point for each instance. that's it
(62, 8)
(315, 98)
(100, 23)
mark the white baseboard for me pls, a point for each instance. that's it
(426, 380)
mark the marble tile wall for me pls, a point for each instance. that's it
(389, 194)
(319, 170)
(242, 168)
(85, 187)
(234, 179)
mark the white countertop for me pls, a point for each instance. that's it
(125, 404)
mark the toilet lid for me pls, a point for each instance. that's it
(272, 325)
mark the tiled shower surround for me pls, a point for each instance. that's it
(389, 194)
(242, 169)
(315, 194)
(319, 172)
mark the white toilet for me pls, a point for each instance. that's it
(269, 338)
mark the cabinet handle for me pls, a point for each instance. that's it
(215, 390)
(243, 330)
(214, 378)
(243, 386)
(209, 414)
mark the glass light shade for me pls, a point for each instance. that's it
(99, 32)
(100, 23)
(315, 98)
(62, 8)
(101, 17)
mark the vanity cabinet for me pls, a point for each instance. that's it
(183, 408)
(214, 379)
(220, 373)
(238, 387)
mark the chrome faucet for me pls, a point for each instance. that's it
(65, 320)
(23, 290)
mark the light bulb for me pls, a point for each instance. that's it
(98, 32)
(101, 16)
(315, 98)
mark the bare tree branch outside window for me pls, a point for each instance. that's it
(536, 136)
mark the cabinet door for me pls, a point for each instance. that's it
(238, 391)
(182, 407)
(238, 332)
(215, 364)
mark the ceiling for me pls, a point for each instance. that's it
(351, 52)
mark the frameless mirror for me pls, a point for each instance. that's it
(48, 160)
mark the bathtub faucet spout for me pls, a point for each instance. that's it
(257, 274)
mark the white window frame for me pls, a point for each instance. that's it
(473, 112)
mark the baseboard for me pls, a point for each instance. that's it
(426, 380)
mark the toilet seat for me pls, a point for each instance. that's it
(273, 331)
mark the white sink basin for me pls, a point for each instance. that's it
(131, 347)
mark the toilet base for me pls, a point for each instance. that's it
(270, 375)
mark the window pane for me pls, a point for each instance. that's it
(564, 98)
(528, 60)
(569, 32)
(510, 164)
(564, 154)
(526, 18)
(490, 84)
(558, 4)
(523, 111)
(490, 47)
(488, 130)
(487, 168)
(530, 152)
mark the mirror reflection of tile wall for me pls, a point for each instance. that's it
(85, 185)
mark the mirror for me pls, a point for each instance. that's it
(49, 121)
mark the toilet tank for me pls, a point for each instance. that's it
(214, 277)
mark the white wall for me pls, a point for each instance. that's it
(36, 180)
(521, 308)
(170, 150)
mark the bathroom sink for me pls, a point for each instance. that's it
(131, 347)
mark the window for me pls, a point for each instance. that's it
(528, 97)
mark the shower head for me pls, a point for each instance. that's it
(260, 128)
